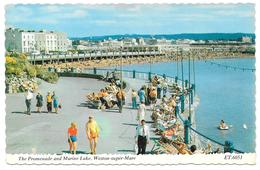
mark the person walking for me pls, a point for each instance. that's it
(148, 99)
(141, 112)
(28, 98)
(92, 131)
(141, 95)
(55, 102)
(72, 137)
(142, 137)
(49, 102)
(39, 102)
(120, 96)
(134, 99)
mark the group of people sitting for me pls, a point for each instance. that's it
(108, 97)
(166, 123)
(183, 149)
(165, 119)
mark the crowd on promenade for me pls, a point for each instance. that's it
(159, 96)
(163, 100)
(52, 102)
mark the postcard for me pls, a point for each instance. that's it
(130, 83)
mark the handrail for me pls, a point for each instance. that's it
(199, 133)
(182, 119)
(109, 69)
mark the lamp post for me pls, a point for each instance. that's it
(182, 78)
(189, 91)
(121, 77)
(177, 62)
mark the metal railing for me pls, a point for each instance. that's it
(203, 140)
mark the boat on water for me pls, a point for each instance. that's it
(223, 128)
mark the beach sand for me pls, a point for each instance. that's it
(142, 60)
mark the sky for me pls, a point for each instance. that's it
(81, 20)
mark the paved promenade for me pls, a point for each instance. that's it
(47, 133)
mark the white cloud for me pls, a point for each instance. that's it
(51, 8)
(78, 13)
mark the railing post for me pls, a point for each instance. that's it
(176, 79)
(176, 111)
(133, 74)
(95, 70)
(193, 88)
(229, 147)
(150, 76)
(186, 83)
(164, 76)
(186, 131)
(182, 103)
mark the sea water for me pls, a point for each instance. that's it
(224, 93)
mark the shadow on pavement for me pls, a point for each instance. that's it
(130, 124)
(87, 104)
(19, 112)
(126, 150)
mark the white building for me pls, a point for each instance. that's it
(140, 41)
(28, 41)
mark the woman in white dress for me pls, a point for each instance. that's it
(141, 112)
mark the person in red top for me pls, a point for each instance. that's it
(72, 137)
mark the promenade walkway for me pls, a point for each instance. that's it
(47, 133)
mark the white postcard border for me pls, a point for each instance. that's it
(218, 159)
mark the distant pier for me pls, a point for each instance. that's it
(167, 51)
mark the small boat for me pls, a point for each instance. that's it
(223, 128)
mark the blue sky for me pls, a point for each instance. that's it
(91, 20)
